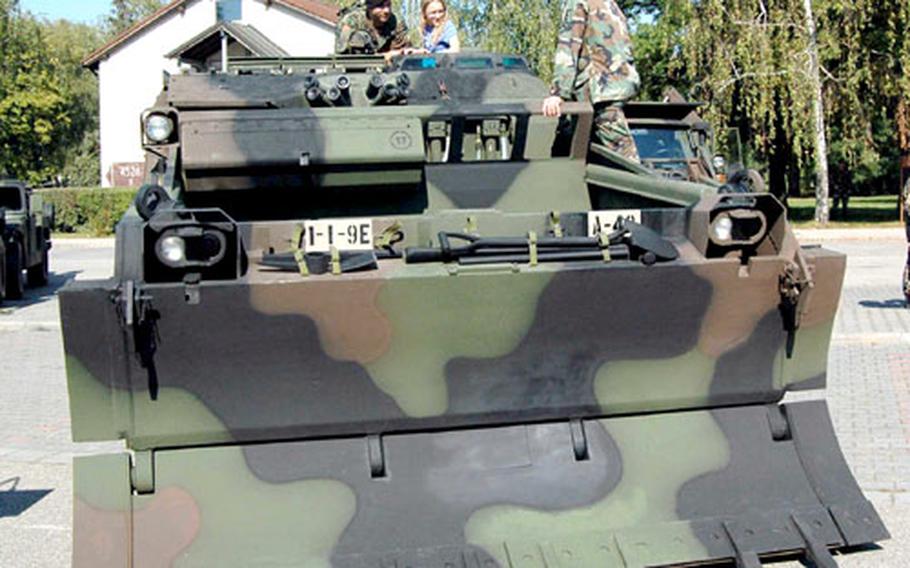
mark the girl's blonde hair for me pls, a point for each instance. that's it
(437, 31)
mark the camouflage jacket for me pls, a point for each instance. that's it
(394, 35)
(594, 55)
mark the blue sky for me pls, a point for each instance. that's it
(86, 11)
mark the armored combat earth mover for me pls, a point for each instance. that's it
(369, 316)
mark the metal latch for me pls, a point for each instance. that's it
(796, 285)
(142, 472)
(579, 440)
(140, 315)
(191, 292)
(376, 456)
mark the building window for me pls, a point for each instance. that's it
(229, 10)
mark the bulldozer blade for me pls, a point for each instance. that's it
(703, 486)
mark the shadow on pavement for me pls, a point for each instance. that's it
(13, 503)
(56, 280)
(887, 304)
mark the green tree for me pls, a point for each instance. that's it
(70, 43)
(47, 101)
(125, 13)
(528, 27)
(33, 106)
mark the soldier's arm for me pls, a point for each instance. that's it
(343, 38)
(569, 48)
(401, 40)
(343, 33)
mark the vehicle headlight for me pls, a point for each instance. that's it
(171, 250)
(722, 230)
(186, 242)
(159, 128)
(738, 227)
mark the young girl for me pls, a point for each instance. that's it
(439, 33)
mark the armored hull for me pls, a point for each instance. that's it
(414, 329)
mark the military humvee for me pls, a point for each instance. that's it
(369, 316)
(26, 235)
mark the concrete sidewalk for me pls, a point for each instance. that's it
(857, 234)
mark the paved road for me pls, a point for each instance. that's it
(869, 396)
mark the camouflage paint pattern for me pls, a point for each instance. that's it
(593, 62)
(583, 413)
(612, 131)
(391, 36)
(593, 59)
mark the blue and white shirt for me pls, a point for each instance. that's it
(445, 38)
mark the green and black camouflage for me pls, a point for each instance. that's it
(594, 55)
(355, 33)
(594, 63)
(502, 357)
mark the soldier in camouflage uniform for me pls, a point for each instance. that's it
(371, 27)
(594, 63)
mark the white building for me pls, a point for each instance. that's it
(185, 33)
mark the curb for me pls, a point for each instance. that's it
(890, 234)
(82, 242)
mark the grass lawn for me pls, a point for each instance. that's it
(79, 235)
(874, 211)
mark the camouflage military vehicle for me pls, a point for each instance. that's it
(675, 142)
(672, 139)
(26, 235)
(369, 316)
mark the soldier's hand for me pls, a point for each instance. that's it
(552, 106)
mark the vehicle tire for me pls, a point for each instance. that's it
(38, 274)
(15, 283)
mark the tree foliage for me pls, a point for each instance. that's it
(749, 60)
(746, 59)
(125, 13)
(47, 101)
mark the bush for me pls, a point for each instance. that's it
(88, 210)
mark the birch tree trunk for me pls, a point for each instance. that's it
(822, 204)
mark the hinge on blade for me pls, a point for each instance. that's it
(142, 472)
(796, 284)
